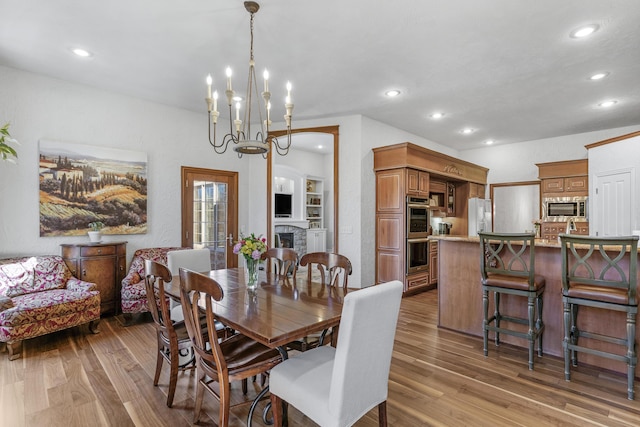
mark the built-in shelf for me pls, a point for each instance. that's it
(314, 198)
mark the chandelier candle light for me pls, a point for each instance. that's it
(239, 130)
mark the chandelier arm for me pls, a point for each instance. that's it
(216, 147)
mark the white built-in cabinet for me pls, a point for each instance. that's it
(316, 240)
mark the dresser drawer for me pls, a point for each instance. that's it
(97, 250)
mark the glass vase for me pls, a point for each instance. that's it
(251, 273)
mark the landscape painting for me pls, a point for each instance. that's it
(83, 184)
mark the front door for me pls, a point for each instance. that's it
(210, 213)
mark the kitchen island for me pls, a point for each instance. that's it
(460, 300)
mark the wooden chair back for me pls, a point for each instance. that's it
(335, 265)
(194, 287)
(283, 261)
(156, 276)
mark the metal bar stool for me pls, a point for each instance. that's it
(597, 273)
(507, 267)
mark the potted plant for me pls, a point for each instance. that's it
(7, 152)
(95, 235)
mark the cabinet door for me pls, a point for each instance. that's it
(433, 263)
(417, 183)
(451, 199)
(576, 184)
(102, 272)
(553, 185)
(390, 195)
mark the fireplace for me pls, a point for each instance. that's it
(286, 240)
(292, 237)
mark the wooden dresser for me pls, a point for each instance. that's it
(101, 263)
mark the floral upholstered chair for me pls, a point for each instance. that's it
(39, 295)
(134, 294)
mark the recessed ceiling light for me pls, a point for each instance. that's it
(392, 93)
(607, 104)
(237, 98)
(585, 31)
(437, 115)
(319, 147)
(467, 131)
(81, 52)
(489, 141)
(598, 76)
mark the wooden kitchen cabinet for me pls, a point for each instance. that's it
(433, 262)
(417, 183)
(101, 263)
(390, 191)
(578, 184)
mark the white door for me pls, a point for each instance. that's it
(613, 204)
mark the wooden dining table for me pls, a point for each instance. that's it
(279, 311)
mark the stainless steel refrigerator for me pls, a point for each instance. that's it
(479, 215)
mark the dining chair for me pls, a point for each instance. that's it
(283, 261)
(333, 266)
(237, 357)
(597, 273)
(192, 259)
(172, 337)
(507, 267)
(329, 265)
(337, 386)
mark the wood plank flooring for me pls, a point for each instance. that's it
(438, 378)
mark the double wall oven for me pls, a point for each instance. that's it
(417, 233)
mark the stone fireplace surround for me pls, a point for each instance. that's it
(299, 237)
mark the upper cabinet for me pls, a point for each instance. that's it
(417, 183)
(566, 178)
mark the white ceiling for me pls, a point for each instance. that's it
(507, 68)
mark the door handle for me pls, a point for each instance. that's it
(230, 239)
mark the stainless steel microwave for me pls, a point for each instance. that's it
(561, 209)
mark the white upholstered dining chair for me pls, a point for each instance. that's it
(191, 259)
(337, 386)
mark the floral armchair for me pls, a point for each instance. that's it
(39, 295)
(134, 295)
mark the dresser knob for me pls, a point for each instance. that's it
(84, 272)
(99, 251)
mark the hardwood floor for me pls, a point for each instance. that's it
(438, 378)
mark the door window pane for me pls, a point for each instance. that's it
(210, 205)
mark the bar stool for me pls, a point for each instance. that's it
(596, 273)
(507, 267)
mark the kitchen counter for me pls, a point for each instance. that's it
(460, 299)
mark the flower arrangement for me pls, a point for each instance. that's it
(537, 223)
(251, 247)
(6, 151)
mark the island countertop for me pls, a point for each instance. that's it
(460, 299)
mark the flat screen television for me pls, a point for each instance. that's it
(282, 205)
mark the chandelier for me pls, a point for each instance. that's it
(240, 130)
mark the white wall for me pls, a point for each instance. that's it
(616, 157)
(43, 108)
(517, 162)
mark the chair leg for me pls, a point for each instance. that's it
(539, 324)
(199, 397)
(531, 332)
(173, 375)
(485, 321)
(276, 410)
(496, 298)
(225, 403)
(566, 314)
(631, 353)
(575, 333)
(15, 349)
(382, 414)
(159, 360)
